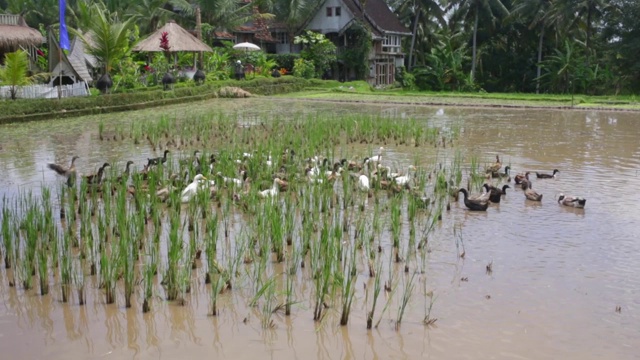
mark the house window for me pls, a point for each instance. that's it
(329, 11)
(391, 44)
(281, 38)
(338, 11)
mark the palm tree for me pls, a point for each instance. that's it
(106, 38)
(425, 17)
(15, 72)
(293, 13)
(154, 13)
(472, 8)
(539, 13)
(580, 13)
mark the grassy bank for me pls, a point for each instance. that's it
(40, 109)
(297, 88)
(361, 92)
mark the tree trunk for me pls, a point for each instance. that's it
(199, 36)
(413, 38)
(473, 56)
(587, 43)
(539, 65)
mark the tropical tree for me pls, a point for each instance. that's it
(424, 17)
(579, 14)
(15, 72)
(293, 13)
(318, 49)
(538, 15)
(466, 10)
(107, 39)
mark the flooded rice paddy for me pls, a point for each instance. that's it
(522, 280)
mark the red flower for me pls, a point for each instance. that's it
(40, 53)
(164, 41)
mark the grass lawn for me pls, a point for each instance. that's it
(360, 91)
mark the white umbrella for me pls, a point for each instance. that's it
(247, 46)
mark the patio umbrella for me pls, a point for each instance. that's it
(246, 46)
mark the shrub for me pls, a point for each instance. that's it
(284, 60)
(304, 68)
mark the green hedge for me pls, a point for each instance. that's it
(36, 109)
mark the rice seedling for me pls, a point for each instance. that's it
(174, 247)
(148, 273)
(79, 280)
(7, 230)
(65, 265)
(315, 228)
(428, 306)
(406, 295)
(396, 221)
(348, 284)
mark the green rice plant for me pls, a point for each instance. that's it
(79, 280)
(377, 287)
(289, 220)
(217, 285)
(267, 292)
(7, 237)
(404, 301)
(211, 245)
(174, 251)
(43, 267)
(65, 265)
(396, 220)
(290, 273)
(430, 224)
(184, 276)
(149, 270)
(476, 177)
(126, 249)
(323, 269)
(428, 305)
(273, 211)
(348, 285)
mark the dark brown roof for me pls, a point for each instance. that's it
(379, 16)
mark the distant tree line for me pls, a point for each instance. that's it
(546, 46)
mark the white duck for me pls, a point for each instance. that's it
(233, 181)
(192, 189)
(404, 179)
(363, 183)
(376, 158)
(273, 192)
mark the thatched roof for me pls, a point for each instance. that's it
(14, 33)
(179, 40)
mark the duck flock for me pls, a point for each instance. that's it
(493, 194)
(368, 174)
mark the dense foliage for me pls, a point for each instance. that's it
(548, 46)
(555, 46)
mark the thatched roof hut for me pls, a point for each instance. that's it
(179, 40)
(15, 33)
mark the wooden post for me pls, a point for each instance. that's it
(59, 71)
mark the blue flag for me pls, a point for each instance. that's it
(64, 35)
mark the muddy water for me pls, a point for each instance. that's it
(558, 273)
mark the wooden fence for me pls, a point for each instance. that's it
(44, 91)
